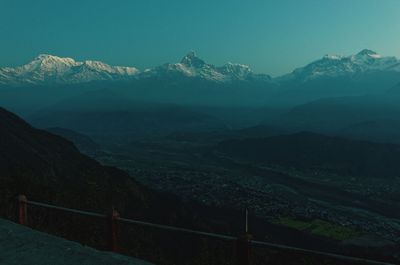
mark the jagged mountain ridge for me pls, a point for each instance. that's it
(193, 66)
(331, 66)
(49, 69)
(56, 70)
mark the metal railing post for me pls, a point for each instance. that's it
(113, 230)
(22, 212)
(243, 250)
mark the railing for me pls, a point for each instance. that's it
(244, 242)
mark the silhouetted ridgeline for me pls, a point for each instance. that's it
(47, 167)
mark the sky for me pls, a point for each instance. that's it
(273, 37)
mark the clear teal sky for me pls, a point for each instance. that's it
(272, 36)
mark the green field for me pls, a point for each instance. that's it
(319, 227)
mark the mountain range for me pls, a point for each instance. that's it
(52, 69)
(366, 61)
(49, 69)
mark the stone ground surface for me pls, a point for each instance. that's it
(23, 246)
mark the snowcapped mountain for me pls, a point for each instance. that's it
(337, 66)
(193, 66)
(49, 69)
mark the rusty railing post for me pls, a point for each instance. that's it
(113, 230)
(22, 212)
(243, 249)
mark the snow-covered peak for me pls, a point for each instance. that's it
(332, 57)
(368, 53)
(50, 69)
(336, 66)
(51, 58)
(238, 71)
(191, 60)
(236, 66)
(46, 62)
(368, 60)
(100, 66)
(192, 66)
(97, 65)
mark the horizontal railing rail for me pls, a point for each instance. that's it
(244, 242)
(65, 209)
(318, 253)
(179, 229)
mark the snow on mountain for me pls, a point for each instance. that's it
(46, 69)
(337, 66)
(193, 66)
(49, 69)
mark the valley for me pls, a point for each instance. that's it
(361, 207)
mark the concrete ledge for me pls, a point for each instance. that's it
(20, 245)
